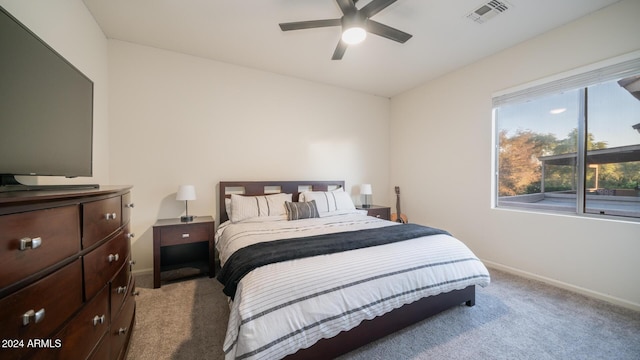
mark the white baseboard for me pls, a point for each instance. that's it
(594, 294)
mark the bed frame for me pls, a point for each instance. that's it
(254, 188)
(369, 330)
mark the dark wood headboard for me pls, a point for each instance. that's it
(253, 188)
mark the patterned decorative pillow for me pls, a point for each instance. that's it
(301, 210)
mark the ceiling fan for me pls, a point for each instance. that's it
(355, 24)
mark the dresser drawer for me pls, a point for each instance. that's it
(184, 234)
(56, 230)
(51, 301)
(55, 286)
(120, 288)
(122, 327)
(127, 205)
(100, 219)
(83, 332)
(101, 264)
(102, 351)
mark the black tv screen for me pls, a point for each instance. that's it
(46, 107)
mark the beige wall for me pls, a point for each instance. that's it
(178, 119)
(448, 122)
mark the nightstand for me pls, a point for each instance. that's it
(382, 212)
(182, 249)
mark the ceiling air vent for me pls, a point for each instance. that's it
(488, 11)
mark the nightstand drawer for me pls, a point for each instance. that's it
(184, 234)
(380, 212)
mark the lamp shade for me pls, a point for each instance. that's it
(365, 189)
(186, 192)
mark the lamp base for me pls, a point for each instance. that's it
(366, 206)
(187, 218)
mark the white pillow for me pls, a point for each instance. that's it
(246, 207)
(227, 206)
(327, 201)
(301, 195)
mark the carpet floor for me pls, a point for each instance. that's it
(514, 318)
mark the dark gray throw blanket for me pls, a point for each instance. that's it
(248, 258)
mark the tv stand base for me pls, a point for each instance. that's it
(9, 183)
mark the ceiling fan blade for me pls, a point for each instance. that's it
(339, 52)
(375, 7)
(385, 31)
(298, 25)
(347, 6)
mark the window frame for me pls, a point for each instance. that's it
(578, 79)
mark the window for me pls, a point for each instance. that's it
(572, 144)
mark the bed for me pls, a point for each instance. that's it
(339, 294)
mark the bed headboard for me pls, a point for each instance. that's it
(252, 188)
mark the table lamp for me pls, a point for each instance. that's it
(365, 191)
(186, 193)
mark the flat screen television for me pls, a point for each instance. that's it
(46, 109)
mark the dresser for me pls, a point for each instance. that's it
(66, 289)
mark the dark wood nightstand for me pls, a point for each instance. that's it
(182, 249)
(382, 212)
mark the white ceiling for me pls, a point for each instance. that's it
(246, 33)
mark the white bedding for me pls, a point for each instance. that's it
(283, 307)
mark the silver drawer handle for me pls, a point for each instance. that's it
(121, 289)
(98, 320)
(111, 216)
(122, 331)
(130, 205)
(32, 243)
(35, 316)
(184, 236)
(113, 257)
(130, 235)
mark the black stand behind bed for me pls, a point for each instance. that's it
(369, 330)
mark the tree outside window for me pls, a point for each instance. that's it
(539, 142)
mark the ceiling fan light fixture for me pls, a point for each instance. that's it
(355, 23)
(354, 35)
